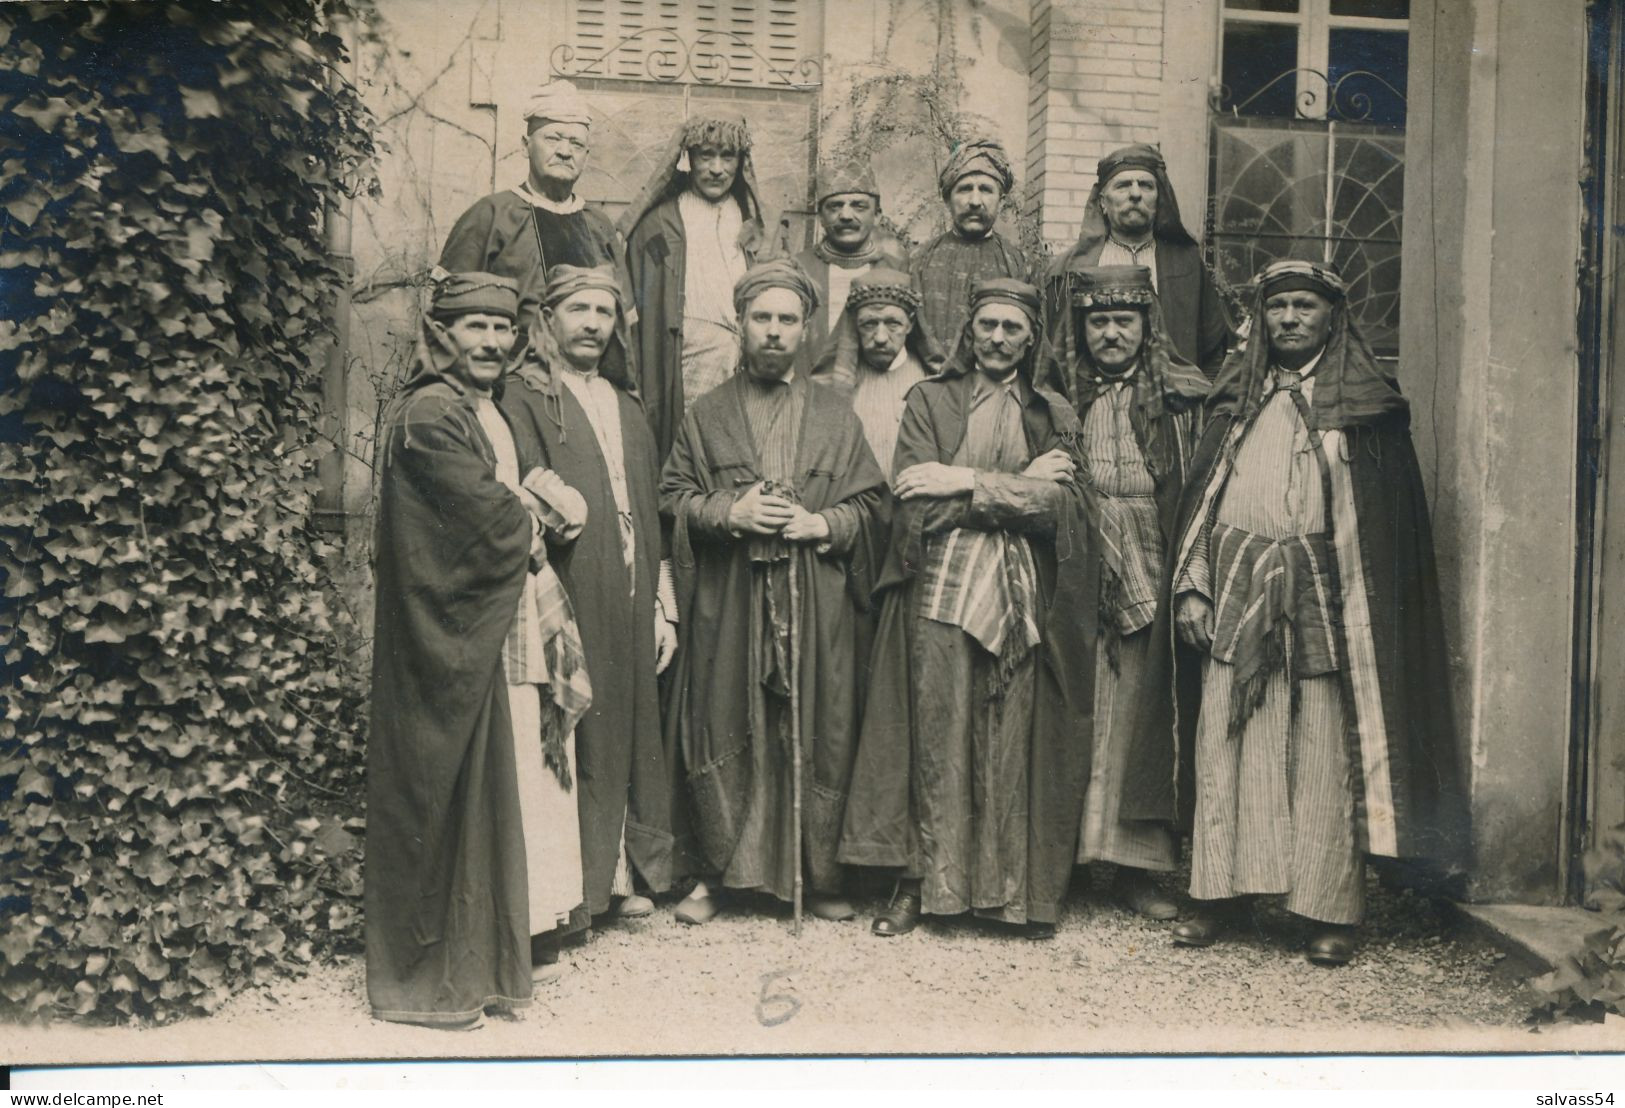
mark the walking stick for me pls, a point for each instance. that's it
(795, 734)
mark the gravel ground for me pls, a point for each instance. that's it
(1109, 982)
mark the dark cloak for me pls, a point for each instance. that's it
(502, 234)
(881, 827)
(621, 764)
(447, 919)
(727, 670)
(1395, 570)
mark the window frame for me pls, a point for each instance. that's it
(1315, 23)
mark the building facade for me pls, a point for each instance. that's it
(1458, 159)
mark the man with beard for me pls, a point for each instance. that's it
(1132, 218)
(524, 231)
(478, 681)
(1304, 571)
(879, 351)
(974, 185)
(691, 234)
(853, 242)
(575, 414)
(974, 751)
(1140, 406)
(769, 491)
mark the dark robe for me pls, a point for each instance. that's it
(731, 708)
(944, 270)
(1193, 310)
(882, 825)
(656, 260)
(506, 234)
(621, 765)
(1410, 678)
(446, 911)
(816, 343)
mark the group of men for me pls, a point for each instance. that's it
(707, 571)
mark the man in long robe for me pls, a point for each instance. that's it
(974, 750)
(1140, 407)
(690, 235)
(1132, 218)
(1304, 570)
(575, 413)
(851, 244)
(974, 184)
(524, 231)
(471, 823)
(769, 491)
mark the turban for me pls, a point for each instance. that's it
(1138, 156)
(727, 132)
(558, 101)
(884, 286)
(564, 281)
(1105, 287)
(1292, 274)
(458, 294)
(980, 156)
(834, 180)
(781, 273)
(1005, 290)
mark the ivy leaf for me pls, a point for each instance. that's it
(200, 103)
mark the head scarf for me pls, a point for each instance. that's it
(977, 156)
(671, 176)
(1005, 290)
(1351, 386)
(780, 273)
(459, 294)
(835, 180)
(1166, 226)
(1162, 381)
(557, 102)
(564, 281)
(998, 290)
(881, 285)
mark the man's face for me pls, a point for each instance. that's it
(848, 219)
(1114, 338)
(582, 324)
(1000, 336)
(973, 203)
(1129, 201)
(882, 330)
(483, 341)
(557, 151)
(712, 169)
(773, 323)
(1298, 323)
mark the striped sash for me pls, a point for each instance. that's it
(986, 584)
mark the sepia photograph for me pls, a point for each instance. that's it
(659, 529)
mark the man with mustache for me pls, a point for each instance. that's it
(473, 862)
(1132, 218)
(524, 231)
(770, 491)
(575, 414)
(1302, 567)
(691, 234)
(974, 750)
(974, 184)
(852, 243)
(1140, 404)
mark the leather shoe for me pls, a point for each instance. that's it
(1037, 931)
(900, 917)
(1134, 890)
(634, 907)
(1205, 928)
(835, 908)
(697, 909)
(1333, 946)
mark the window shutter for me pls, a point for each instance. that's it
(750, 43)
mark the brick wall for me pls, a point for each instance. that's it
(1103, 63)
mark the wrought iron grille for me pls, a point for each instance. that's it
(713, 57)
(1329, 189)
